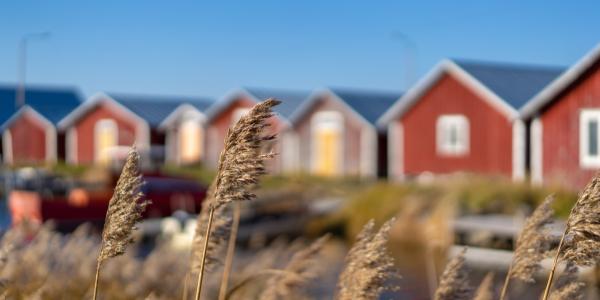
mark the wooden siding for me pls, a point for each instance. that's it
(28, 139)
(560, 131)
(351, 136)
(85, 131)
(490, 133)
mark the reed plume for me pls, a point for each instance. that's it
(580, 242)
(532, 244)
(454, 284)
(567, 286)
(124, 211)
(303, 267)
(485, 291)
(368, 265)
(240, 165)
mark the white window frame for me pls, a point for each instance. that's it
(585, 159)
(461, 147)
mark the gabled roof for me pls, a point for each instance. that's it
(52, 103)
(155, 109)
(506, 86)
(367, 105)
(290, 100)
(514, 83)
(545, 96)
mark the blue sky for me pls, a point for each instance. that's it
(202, 49)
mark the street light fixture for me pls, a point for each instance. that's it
(410, 57)
(22, 68)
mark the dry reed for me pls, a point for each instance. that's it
(454, 284)
(531, 246)
(567, 286)
(302, 267)
(230, 251)
(485, 291)
(124, 211)
(240, 165)
(368, 265)
(580, 242)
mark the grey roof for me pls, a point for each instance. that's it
(154, 109)
(53, 103)
(369, 104)
(290, 99)
(514, 83)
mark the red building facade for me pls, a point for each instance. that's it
(462, 117)
(101, 127)
(564, 126)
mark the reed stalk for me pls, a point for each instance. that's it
(554, 264)
(125, 209)
(230, 251)
(203, 260)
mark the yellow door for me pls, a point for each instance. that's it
(327, 136)
(106, 139)
(190, 142)
(327, 141)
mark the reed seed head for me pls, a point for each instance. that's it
(303, 267)
(124, 210)
(533, 242)
(369, 269)
(454, 283)
(582, 240)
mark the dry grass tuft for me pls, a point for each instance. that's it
(582, 241)
(485, 291)
(368, 265)
(303, 267)
(567, 286)
(220, 229)
(124, 211)
(533, 243)
(454, 284)
(240, 165)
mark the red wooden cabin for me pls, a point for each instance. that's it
(565, 120)
(230, 108)
(29, 134)
(463, 117)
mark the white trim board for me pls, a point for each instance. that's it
(329, 94)
(445, 67)
(560, 83)
(180, 111)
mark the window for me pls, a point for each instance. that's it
(106, 137)
(452, 135)
(589, 137)
(190, 141)
(238, 114)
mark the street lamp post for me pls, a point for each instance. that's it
(22, 68)
(410, 57)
